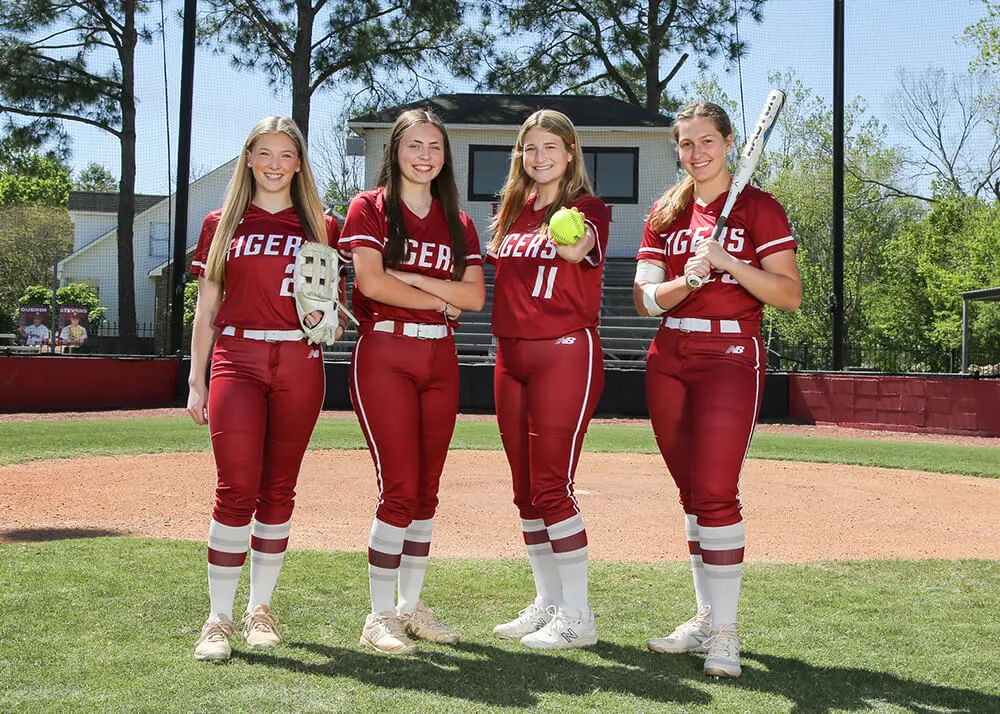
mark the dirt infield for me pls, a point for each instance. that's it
(794, 511)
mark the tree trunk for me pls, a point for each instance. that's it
(127, 343)
(302, 66)
(653, 56)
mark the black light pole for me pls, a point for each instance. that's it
(837, 296)
(53, 318)
(183, 176)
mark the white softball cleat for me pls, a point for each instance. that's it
(531, 619)
(723, 648)
(689, 637)
(422, 624)
(260, 628)
(567, 629)
(383, 631)
(213, 645)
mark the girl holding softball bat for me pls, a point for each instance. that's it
(549, 369)
(705, 367)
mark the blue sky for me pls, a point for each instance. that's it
(880, 38)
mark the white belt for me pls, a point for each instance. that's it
(420, 330)
(264, 335)
(697, 324)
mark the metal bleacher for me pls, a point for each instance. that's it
(625, 337)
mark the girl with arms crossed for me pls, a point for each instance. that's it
(268, 383)
(549, 370)
(417, 266)
(705, 367)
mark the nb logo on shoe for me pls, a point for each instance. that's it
(735, 350)
(569, 635)
(566, 341)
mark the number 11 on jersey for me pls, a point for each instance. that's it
(541, 280)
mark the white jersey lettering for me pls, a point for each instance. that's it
(292, 245)
(271, 248)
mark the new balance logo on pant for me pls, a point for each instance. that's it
(735, 350)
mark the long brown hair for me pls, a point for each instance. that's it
(239, 193)
(676, 198)
(515, 191)
(443, 188)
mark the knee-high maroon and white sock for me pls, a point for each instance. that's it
(697, 566)
(385, 547)
(227, 551)
(413, 563)
(544, 569)
(268, 543)
(722, 552)
(569, 548)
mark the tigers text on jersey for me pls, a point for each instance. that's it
(538, 295)
(428, 253)
(259, 285)
(757, 227)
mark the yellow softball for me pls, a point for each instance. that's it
(566, 226)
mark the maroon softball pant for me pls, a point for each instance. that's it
(263, 402)
(704, 393)
(546, 392)
(405, 393)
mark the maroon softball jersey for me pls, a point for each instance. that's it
(259, 266)
(757, 227)
(539, 295)
(429, 250)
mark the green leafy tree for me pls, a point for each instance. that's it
(30, 178)
(955, 248)
(798, 170)
(383, 46)
(29, 238)
(55, 68)
(630, 50)
(985, 35)
(96, 178)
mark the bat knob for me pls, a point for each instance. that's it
(694, 282)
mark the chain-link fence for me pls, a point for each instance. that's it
(922, 157)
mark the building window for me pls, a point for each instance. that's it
(614, 173)
(159, 239)
(488, 169)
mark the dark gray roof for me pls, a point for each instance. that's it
(513, 109)
(108, 202)
(987, 294)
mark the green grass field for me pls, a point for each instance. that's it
(24, 441)
(108, 624)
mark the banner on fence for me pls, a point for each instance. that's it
(33, 325)
(72, 326)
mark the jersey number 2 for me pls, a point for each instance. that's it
(288, 284)
(542, 280)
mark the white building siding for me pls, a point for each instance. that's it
(96, 261)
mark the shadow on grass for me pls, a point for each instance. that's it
(491, 675)
(36, 535)
(515, 678)
(817, 690)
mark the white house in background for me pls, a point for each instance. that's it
(629, 155)
(94, 259)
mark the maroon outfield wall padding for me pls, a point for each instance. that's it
(944, 405)
(78, 383)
